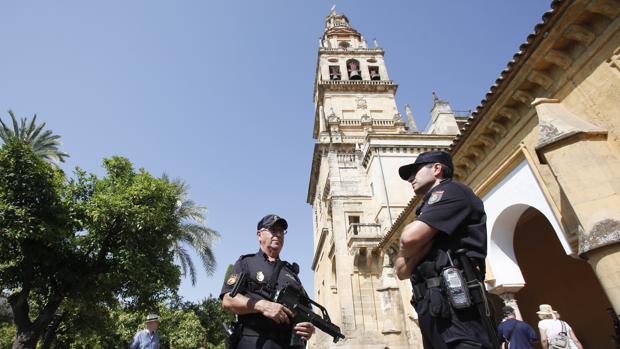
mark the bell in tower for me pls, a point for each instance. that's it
(353, 67)
(334, 73)
(374, 73)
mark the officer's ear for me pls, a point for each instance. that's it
(438, 170)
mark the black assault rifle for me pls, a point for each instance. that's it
(301, 306)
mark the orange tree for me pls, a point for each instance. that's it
(87, 239)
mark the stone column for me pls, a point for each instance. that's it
(387, 288)
(587, 170)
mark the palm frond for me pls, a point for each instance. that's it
(193, 232)
(15, 127)
(44, 143)
(36, 132)
(187, 265)
(30, 128)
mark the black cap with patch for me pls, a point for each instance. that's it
(429, 157)
(269, 220)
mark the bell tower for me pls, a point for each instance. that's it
(353, 94)
(356, 193)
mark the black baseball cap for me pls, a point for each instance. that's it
(429, 157)
(269, 220)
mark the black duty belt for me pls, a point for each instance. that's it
(275, 334)
(419, 290)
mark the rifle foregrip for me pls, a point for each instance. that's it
(323, 325)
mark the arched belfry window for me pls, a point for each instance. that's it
(374, 73)
(334, 72)
(353, 68)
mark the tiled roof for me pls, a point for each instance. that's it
(505, 76)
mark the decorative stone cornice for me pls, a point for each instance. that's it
(426, 144)
(559, 58)
(348, 51)
(509, 113)
(357, 85)
(580, 34)
(556, 124)
(540, 78)
(608, 8)
(487, 141)
(522, 96)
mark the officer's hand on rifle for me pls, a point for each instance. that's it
(275, 311)
(305, 330)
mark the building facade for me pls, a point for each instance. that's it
(355, 191)
(543, 152)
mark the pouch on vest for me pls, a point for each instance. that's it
(438, 304)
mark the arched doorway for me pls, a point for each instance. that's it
(567, 283)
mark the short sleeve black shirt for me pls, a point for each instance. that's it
(458, 214)
(260, 270)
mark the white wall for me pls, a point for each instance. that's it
(504, 206)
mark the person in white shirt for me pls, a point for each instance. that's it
(551, 329)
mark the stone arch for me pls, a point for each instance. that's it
(505, 204)
(553, 277)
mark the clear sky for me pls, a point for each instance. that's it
(220, 93)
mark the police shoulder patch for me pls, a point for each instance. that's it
(231, 279)
(435, 196)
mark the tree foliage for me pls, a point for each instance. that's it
(91, 240)
(43, 142)
(194, 233)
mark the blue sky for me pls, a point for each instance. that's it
(220, 93)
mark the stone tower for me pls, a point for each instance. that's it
(355, 191)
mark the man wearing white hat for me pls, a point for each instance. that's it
(147, 338)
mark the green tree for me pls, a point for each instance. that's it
(92, 240)
(181, 328)
(7, 335)
(211, 315)
(44, 142)
(194, 233)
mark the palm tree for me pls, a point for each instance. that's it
(44, 142)
(194, 233)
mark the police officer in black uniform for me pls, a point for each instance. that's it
(266, 324)
(450, 218)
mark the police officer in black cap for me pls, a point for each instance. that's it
(450, 218)
(266, 324)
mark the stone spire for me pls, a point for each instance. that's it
(412, 126)
(442, 118)
(337, 26)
